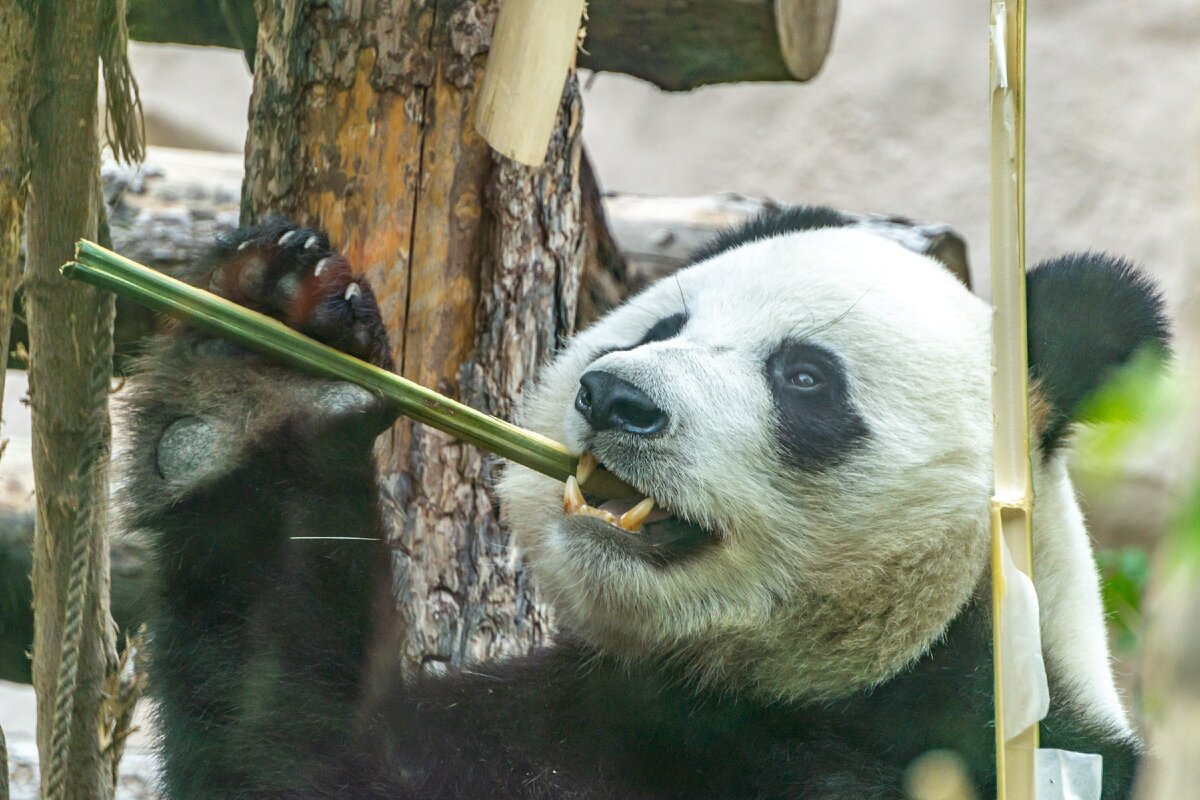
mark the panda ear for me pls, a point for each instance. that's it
(1088, 314)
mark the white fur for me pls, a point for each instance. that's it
(1074, 638)
(823, 582)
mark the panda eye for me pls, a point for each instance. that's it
(806, 378)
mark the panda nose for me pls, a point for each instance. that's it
(609, 403)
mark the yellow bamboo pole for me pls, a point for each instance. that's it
(1012, 501)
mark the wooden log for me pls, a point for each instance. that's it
(675, 44)
(682, 44)
(657, 235)
(360, 121)
(805, 29)
(70, 329)
(532, 49)
(16, 86)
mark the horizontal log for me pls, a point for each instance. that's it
(674, 44)
(681, 44)
(657, 235)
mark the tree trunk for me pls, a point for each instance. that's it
(70, 350)
(360, 121)
(16, 50)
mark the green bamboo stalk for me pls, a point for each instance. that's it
(107, 270)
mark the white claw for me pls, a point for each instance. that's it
(632, 519)
(321, 265)
(573, 497)
(352, 291)
(287, 237)
(311, 243)
(244, 245)
(587, 465)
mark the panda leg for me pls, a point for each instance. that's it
(256, 489)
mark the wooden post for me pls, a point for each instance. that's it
(16, 51)
(805, 29)
(532, 50)
(70, 332)
(360, 121)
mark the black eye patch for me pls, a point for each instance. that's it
(666, 328)
(817, 425)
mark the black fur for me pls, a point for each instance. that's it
(666, 328)
(271, 654)
(774, 222)
(1089, 313)
(817, 426)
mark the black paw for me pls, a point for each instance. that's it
(293, 274)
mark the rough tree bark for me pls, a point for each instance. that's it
(16, 45)
(16, 50)
(70, 349)
(360, 119)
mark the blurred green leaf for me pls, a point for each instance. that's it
(1137, 400)
(1124, 573)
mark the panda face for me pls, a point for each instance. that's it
(810, 414)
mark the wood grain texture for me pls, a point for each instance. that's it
(533, 47)
(16, 51)
(70, 329)
(805, 31)
(361, 122)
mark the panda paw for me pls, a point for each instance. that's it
(294, 274)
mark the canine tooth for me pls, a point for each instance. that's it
(572, 497)
(632, 519)
(311, 243)
(587, 465)
(352, 291)
(287, 237)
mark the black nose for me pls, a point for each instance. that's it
(609, 403)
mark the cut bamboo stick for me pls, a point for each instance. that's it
(533, 48)
(805, 32)
(105, 269)
(1012, 502)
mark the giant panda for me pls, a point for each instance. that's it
(802, 614)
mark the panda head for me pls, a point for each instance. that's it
(809, 407)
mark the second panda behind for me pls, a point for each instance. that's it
(805, 611)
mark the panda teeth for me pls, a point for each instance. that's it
(587, 465)
(573, 497)
(632, 519)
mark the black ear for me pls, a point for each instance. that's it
(1089, 313)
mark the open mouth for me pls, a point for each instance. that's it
(640, 522)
